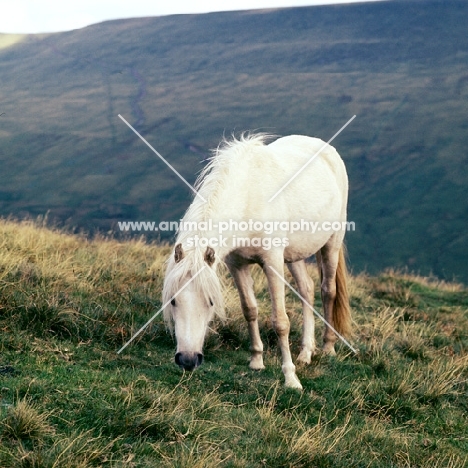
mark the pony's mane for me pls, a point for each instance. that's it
(207, 281)
(214, 175)
(209, 184)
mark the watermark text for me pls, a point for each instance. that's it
(233, 226)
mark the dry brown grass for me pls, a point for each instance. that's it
(31, 249)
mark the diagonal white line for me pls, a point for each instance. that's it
(312, 158)
(160, 310)
(341, 337)
(164, 161)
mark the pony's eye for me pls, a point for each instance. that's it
(211, 303)
(173, 302)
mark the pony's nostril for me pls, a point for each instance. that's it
(177, 359)
(199, 359)
(188, 361)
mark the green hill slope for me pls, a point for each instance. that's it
(184, 81)
(67, 399)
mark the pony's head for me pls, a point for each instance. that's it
(193, 295)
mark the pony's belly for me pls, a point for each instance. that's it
(301, 247)
(256, 247)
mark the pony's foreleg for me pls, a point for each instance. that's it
(273, 267)
(244, 284)
(306, 289)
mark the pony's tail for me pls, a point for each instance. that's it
(341, 307)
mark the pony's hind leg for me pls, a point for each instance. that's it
(328, 261)
(334, 291)
(244, 283)
(305, 285)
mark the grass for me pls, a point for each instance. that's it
(67, 399)
(184, 81)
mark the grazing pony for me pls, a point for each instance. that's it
(242, 217)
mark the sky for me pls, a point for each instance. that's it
(38, 16)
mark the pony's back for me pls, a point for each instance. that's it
(245, 174)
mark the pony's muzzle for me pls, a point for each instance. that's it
(188, 361)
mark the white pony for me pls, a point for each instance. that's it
(241, 224)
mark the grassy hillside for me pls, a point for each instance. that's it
(68, 400)
(184, 81)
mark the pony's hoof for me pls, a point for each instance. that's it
(256, 368)
(256, 364)
(305, 356)
(293, 382)
(329, 349)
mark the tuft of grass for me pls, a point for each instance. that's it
(317, 442)
(412, 340)
(79, 450)
(380, 329)
(444, 378)
(25, 426)
(393, 289)
(196, 455)
(24, 422)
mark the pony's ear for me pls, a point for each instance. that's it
(210, 256)
(178, 253)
